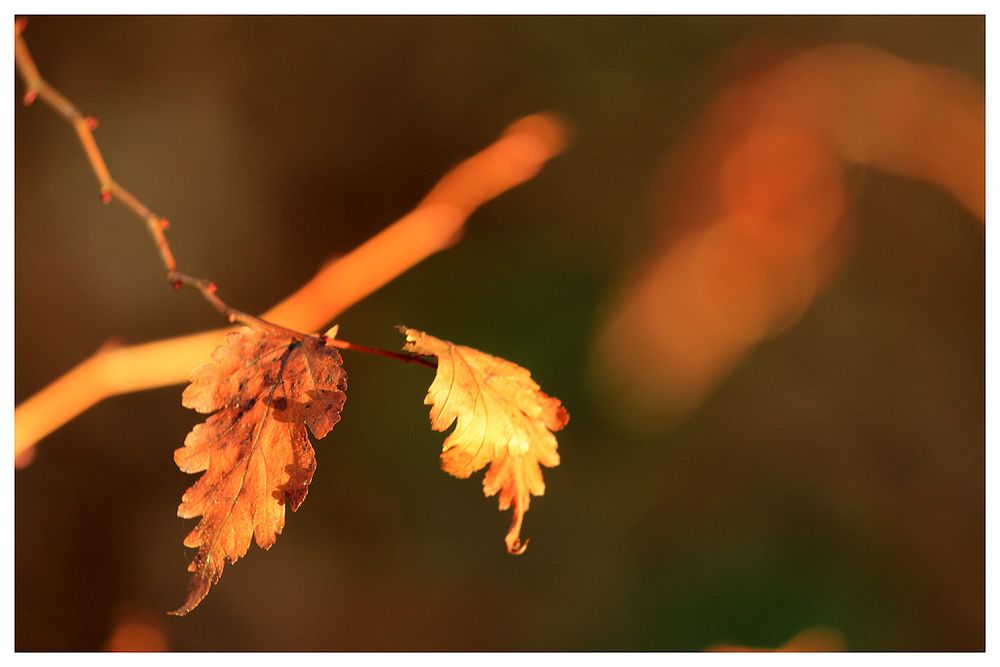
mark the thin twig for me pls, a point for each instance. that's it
(401, 356)
(39, 88)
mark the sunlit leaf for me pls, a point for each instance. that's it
(502, 419)
(264, 389)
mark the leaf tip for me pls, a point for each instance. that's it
(197, 591)
(517, 547)
(559, 417)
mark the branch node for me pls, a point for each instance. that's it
(92, 122)
(105, 195)
(176, 285)
(30, 97)
(164, 224)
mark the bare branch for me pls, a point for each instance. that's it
(110, 189)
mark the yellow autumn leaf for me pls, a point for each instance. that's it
(502, 419)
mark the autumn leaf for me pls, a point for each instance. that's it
(503, 419)
(264, 389)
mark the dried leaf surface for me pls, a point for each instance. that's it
(264, 389)
(503, 419)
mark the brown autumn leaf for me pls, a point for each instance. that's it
(503, 419)
(264, 389)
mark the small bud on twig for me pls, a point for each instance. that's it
(30, 97)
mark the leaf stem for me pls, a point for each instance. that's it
(400, 356)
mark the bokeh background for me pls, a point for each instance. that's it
(834, 479)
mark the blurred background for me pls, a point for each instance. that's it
(830, 477)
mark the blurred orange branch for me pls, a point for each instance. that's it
(756, 208)
(435, 224)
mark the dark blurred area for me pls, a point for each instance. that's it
(834, 479)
